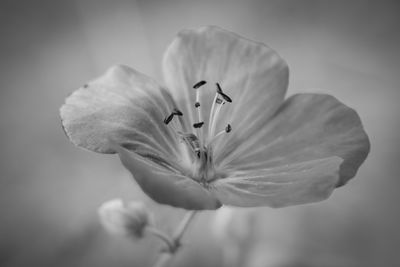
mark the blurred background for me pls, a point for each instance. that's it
(50, 190)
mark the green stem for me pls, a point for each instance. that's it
(175, 243)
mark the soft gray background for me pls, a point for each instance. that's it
(49, 190)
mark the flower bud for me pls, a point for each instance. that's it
(129, 219)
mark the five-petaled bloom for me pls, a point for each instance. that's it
(220, 132)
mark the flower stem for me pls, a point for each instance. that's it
(174, 244)
(180, 230)
(162, 260)
(166, 239)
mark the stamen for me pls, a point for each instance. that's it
(177, 112)
(199, 84)
(198, 144)
(174, 112)
(214, 117)
(227, 129)
(224, 96)
(169, 118)
(220, 102)
(212, 113)
(198, 124)
(198, 107)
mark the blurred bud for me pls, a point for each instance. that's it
(125, 219)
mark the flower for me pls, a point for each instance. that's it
(220, 132)
(129, 219)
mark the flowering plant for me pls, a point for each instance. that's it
(186, 148)
(220, 132)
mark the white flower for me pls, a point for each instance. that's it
(221, 131)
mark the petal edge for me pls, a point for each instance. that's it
(283, 186)
(307, 127)
(166, 186)
(123, 105)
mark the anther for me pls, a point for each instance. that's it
(169, 118)
(215, 110)
(222, 94)
(219, 89)
(198, 124)
(177, 112)
(228, 128)
(199, 84)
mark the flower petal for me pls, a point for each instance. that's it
(251, 73)
(306, 127)
(165, 185)
(123, 105)
(287, 185)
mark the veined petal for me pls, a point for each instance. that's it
(124, 106)
(287, 185)
(306, 127)
(251, 73)
(166, 185)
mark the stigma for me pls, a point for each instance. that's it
(199, 141)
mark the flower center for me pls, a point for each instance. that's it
(198, 142)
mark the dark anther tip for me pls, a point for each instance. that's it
(219, 89)
(199, 84)
(177, 112)
(198, 124)
(169, 118)
(226, 98)
(197, 104)
(228, 128)
(222, 94)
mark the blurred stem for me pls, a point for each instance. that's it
(166, 239)
(175, 244)
(163, 259)
(180, 230)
